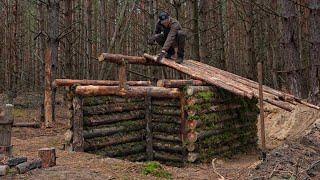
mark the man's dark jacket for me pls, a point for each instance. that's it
(170, 33)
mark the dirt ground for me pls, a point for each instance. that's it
(284, 134)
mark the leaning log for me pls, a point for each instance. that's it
(70, 82)
(27, 166)
(118, 58)
(27, 124)
(47, 156)
(172, 83)
(130, 92)
(205, 77)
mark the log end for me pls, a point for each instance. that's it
(101, 57)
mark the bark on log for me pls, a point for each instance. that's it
(133, 150)
(48, 94)
(166, 137)
(102, 100)
(214, 108)
(15, 161)
(191, 90)
(93, 133)
(4, 170)
(194, 73)
(29, 165)
(166, 111)
(70, 82)
(194, 100)
(77, 141)
(27, 124)
(166, 147)
(170, 83)
(166, 102)
(112, 108)
(166, 119)
(131, 92)
(122, 140)
(47, 156)
(113, 118)
(167, 128)
(117, 59)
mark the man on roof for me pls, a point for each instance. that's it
(169, 34)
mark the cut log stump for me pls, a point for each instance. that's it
(4, 169)
(48, 157)
(27, 166)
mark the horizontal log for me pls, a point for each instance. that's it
(120, 140)
(172, 83)
(118, 59)
(125, 152)
(195, 100)
(214, 108)
(166, 128)
(29, 165)
(166, 119)
(166, 147)
(70, 82)
(166, 111)
(112, 108)
(13, 161)
(192, 90)
(113, 118)
(93, 133)
(166, 102)
(130, 92)
(137, 157)
(166, 137)
(102, 100)
(27, 124)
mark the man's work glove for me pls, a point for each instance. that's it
(161, 55)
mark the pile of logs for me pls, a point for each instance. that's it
(21, 165)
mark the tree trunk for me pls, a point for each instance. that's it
(290, 48)
(314, 28)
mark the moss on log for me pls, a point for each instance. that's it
(167, 147)
(166, 119)
(166, 111)
(166, 128)
(102, 100)
(112, 108)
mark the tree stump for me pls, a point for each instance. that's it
(48, 157)
(6, 121)
(4, 170)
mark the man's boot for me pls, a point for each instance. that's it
(170, 53)
(180, 57)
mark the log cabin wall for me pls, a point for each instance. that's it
(204, 123)
(218, 123)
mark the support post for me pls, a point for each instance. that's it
(149, 127)
(78, 140)
(122, 76)
(262, 127)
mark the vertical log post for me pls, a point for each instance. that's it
(262, 127)
(6, 122)
(47, 156)
(78, 140)
(122, 76)
(48, 94)
(183, 132)
(149, 127)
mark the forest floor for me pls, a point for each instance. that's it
(293, 141)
